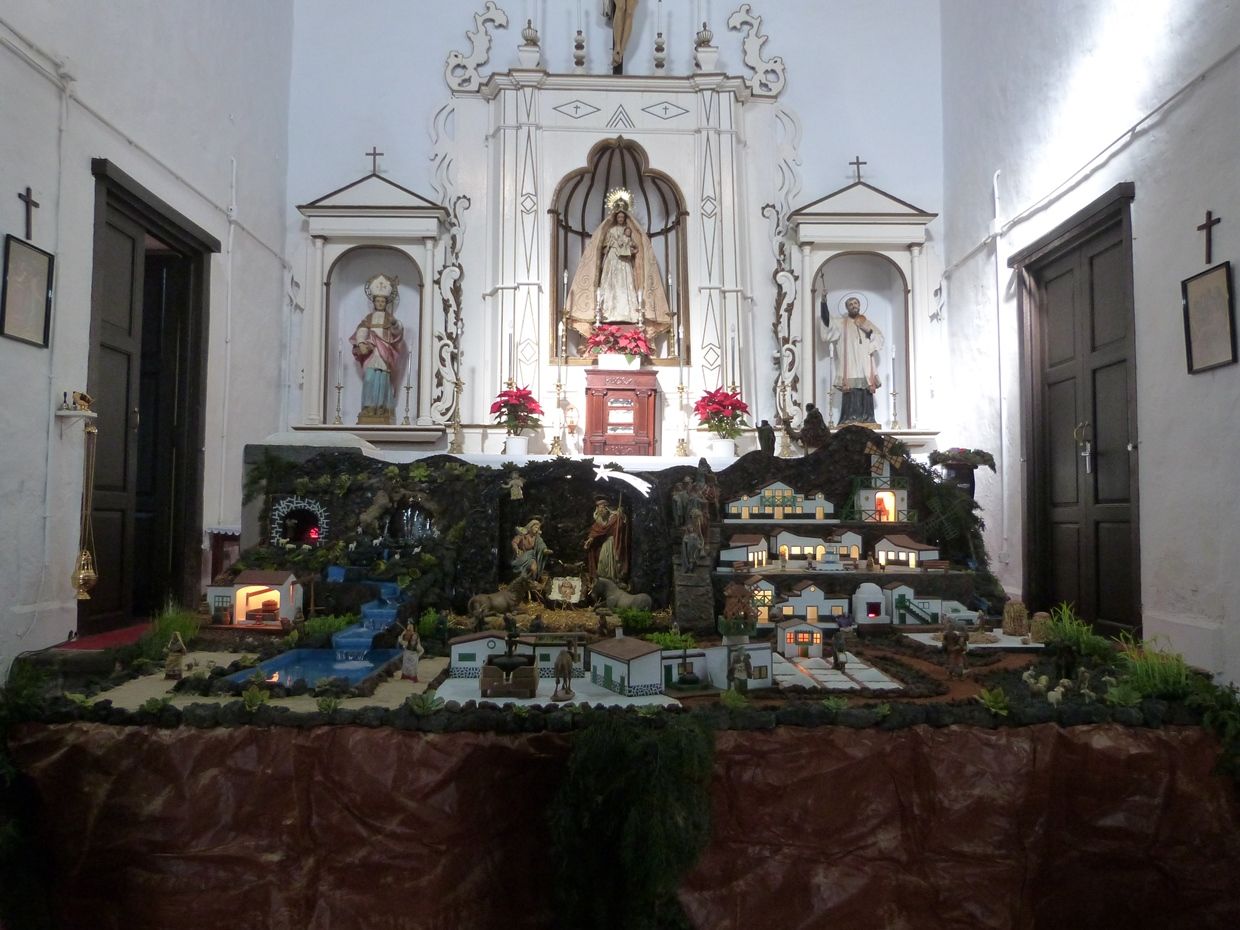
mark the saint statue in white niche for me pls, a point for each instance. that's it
(378, 343)
(618, 279)
(854, 343)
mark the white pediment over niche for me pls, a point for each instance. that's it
(370, 193)
(863, 202)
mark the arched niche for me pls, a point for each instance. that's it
(881, 287)
(658, 207)
(372, 225)
(863, 239)
(347, 306)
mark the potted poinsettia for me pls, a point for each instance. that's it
(611, 339)
(517, 410)
(959, 465)
(721, 413)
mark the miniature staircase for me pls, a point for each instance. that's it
(919, 613)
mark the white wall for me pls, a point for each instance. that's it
(169, 91)
(1036, 91)
(862, 78)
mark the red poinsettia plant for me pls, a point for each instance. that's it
(517, 409)
(627, 341)
(721, 412)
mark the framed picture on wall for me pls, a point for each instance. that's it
(26, 292)
(1209, 326)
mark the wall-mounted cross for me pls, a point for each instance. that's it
(31, 204)
(374, 155)
(857, 163)
(1207, 227)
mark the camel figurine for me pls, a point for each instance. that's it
(564, 663)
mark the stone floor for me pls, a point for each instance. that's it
(819, 673)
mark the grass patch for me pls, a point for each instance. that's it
(1067, 630)
(1152, 671)
(172, 619)
(672, 640)
(634, 619)
(318, 631)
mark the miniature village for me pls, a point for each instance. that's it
(850, 575)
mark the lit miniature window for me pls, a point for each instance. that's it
(885, 506)
(787, 610)
(903, 556)
(791, 638)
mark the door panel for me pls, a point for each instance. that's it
(1110, 312)
(1084, 506)
(1111, 438)
(1060, 313)
(1065, 487)
(116, 360)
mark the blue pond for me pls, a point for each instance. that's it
(315, 664)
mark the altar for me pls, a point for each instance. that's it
(615, 208)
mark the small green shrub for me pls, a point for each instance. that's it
(172, 619)
(318, 630)
(995, 701)
(1152, 671)
(1067, 629)
(835, 703)
(328, 704)
(153, 705)
(1220, 713)
(80, 700)
(883, 710)
(649, 710)
(428, 624)
(733, 700)
(1122, 694)
(672, 640)
(520, 710)
(424, 704)
(634, 619)
(290, 641)
(254, 697)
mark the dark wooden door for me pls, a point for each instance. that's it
(1085, 430)
(115, 384)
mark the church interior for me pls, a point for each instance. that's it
(508, 329)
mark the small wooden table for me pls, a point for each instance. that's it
(621, 412)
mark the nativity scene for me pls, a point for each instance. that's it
(535, 458)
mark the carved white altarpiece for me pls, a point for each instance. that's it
(535, 152)
(370, 226)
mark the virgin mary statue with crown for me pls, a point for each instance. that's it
(618, 279)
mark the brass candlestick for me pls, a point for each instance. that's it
(338, 421)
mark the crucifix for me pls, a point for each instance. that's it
(373, 155)
(857, 163)
(31, 204)
(1207, 227)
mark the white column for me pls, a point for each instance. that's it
(808, 357)
(315, 334)
(426, 335)
(917, 312)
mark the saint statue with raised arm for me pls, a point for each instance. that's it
(618, 278)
